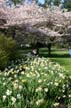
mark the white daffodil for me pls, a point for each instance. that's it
(4, 97)
(20, 87)
(40, 101)
(56, 84)
(46, 89)
(56, 104)
(22, 73)
(13, 99)
(70, 96)
(18, 96)
(39, 81)
(4, 84)
(15, 86)
(8, 92)
(39, 89)
(61, 75)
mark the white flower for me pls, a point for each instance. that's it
(44, 80)
(46, 68)
(69, 96)
(20, 87)
(4, 84)
(5, 74)
(39, 81)
(56, 84)
(46, 89)
(32, 68)
(15, 85)
(13, 99)
(51, 72)
(4, 78)
(4, 97)
(61, 75)
(39, 89)
(22, 73)
(11, 69)
(9, 78)
(58, 97)
(38, 75)
(8, 92)
(18, 96)
(15, 76)
(64, 96)
(40, 101)
(56, 104)
(28, 75)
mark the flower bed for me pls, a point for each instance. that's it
(36, 83)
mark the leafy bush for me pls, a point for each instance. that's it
(37, 83)
(7, 50)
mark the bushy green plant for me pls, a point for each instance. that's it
(3, 59)
(37, 83)
(7, 50)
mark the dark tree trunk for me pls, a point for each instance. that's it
(49, 49)
(13, 34)
(37, 51)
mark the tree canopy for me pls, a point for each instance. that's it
(67, 4)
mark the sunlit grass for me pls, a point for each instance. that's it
(60, 56)
(63, 58)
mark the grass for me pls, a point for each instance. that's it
(60, 56)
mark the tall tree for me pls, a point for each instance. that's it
(16, 1)
(57, 2)
(67, 4)
(48, 2)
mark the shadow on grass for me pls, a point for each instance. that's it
(54, 55)
(44, 53)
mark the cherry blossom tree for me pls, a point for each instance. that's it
(37, 24)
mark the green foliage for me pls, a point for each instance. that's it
(35, 83)
(16, 1)
(56, 2)
(48, 2)
(67, 4)
(7, 50)
(3, 58)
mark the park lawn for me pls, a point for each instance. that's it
(63, 58)
(60, 56)
(65, 62)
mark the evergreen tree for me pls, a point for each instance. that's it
(57, 2)
(48, 2)
(67, 4)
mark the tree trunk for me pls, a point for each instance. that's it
(37, 51)
(49, 49)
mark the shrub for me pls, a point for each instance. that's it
(7, 50)
(37, 83)
(3, 59)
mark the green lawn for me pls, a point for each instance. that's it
(63, 59)
(60, 56)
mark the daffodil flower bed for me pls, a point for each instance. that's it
(36, 83)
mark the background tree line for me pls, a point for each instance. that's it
(65, 3)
